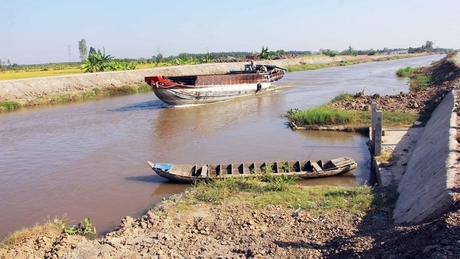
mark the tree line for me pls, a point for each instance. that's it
(93, 60)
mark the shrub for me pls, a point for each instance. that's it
(405, 72)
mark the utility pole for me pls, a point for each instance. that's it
(70, 57)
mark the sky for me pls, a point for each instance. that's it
(48, 31)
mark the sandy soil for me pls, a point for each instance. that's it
(234, 230)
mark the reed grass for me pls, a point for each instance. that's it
(405, 72)
(322, 115)
(326, 115)
(9, 106)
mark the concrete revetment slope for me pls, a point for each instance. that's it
(426, 189)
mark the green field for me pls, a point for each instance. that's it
(44, 72)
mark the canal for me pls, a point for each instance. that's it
(88, 159)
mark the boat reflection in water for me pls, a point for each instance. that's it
(333, 144)
(199, 135)
(212, 133)
(167, 189)
(346, 179)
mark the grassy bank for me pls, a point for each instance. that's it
(95, 93)
(272, 191)
(418, 80)
(328, 116)
(286, 193)
(344, 62)
(256, 193)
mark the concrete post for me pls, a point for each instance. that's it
(378, 133)
(376, 130)
(373, 109)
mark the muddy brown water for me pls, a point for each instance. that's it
(89, 159)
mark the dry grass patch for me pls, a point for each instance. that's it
(51, 228)
(387, 156)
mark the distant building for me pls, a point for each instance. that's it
(402, 51)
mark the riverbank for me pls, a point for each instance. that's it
(235, 230)
(48, 90)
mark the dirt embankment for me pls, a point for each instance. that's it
(234, 230)
(445, 76)
(25, 90)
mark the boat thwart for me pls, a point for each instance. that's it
(302, 169)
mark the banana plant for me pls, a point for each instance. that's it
(97, 62)
(264, 53)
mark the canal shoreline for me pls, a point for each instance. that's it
(24, 92)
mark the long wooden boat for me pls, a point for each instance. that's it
(188, 173)
(198, 89)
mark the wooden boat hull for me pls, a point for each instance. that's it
(184, 96)
(187, 173)
(199, 89)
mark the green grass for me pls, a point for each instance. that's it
(285, 192)
(322, 115)
(419, 82)
(405, 72)
(95, 93)
(346, 63)
(296, 68)
(321, 199)
(303, 67)
(9, 106)
(342, 97)
(216, 191)
(326, 115)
